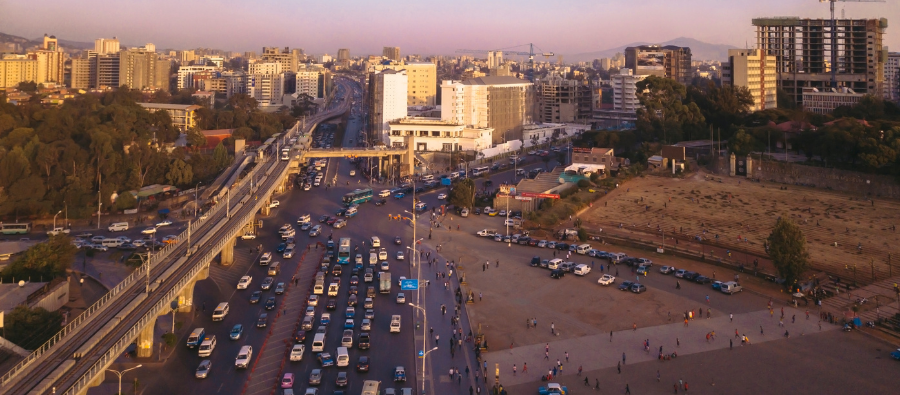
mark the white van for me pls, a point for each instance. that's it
(428, 177)
(395, 324)
(207, 347)
(370, 387)
(376, 242)
(583, 249)
(616, 257)
(319, 288)
(554, 264)
(111, 243)
(318, 342)
(118, 226)
(581, 270)
(730, 287)
(220, 312)
(333, 289)
(343, 358)
(373, 258)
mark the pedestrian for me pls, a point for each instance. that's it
(514, 369)
(524, 368)
(731, 344)
(479, 296)
(567, 357)
(677, 342)
(579, 370)
(610, 336)
(623, 358)
(627, 389)
(634, 327)
(471, 390)
(596, 384)
(547, 347)
(760, 330)
(467, 370)
(437, 338)
(794, 319)
(731, 317)
(675, 387)
(619, 367)
(546, 355)
(657, 376)
(685, 387)
(552, 329)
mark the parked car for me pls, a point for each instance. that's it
(606, 279)
(626, 285)
(667, 269)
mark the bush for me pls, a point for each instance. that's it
(170, 339)
(583, 183)
(582, 234)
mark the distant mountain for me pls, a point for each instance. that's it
(8, 41)
(699, 50)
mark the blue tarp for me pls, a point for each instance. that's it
(163, 211)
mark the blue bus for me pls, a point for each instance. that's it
(343, 256)
(358, 196)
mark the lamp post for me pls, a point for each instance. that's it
(99, 204)
(121, 373)
(54, 219)
(196, 207)
(424, 339)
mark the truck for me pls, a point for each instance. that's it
(385, 282)
(487, 232)
(58, 230)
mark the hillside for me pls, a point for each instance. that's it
(699, 50)
(24, 43)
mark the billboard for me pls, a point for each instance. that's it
(540, 195)
(651, 61)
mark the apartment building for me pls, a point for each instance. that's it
(392, 53)
(752, 69)
(104, 46)
(668, 61)
(433, 134)
(15, 69)
(142, 69)
(892, 77)
(387, 101)
(183, 116)
(563, 101)
(809, 51)
(51, 61)
(289, 60)
(313, 80)
(422, 84)
(826, 100)
(504, 104)
(623, 87)
(186, 75)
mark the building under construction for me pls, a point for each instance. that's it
(804, 49)
(563, 101)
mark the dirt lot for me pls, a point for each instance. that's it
(734, 208)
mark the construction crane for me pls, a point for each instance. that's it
(530, 54)
(834, 34)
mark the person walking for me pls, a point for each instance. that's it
(619, 367)
(627, 389)
(514, 369)
(524, 369)
(610, 336)
(731, 317)
(552, 328)
(587, 383)
(579, 370)
(567, 357)
(597, 384)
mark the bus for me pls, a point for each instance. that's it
(358, 196)
(344, 251)
(479, 171)
(20, 228)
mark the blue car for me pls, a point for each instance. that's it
(351, 312)
(896, 354)
(281, 247)
(348, 323)
(399, 195)
(236, 332)
(717, 285)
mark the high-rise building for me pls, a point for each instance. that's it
(392, 53)
(563, 101)
(289, 60)
(103, 46)
(106, 71)
(624, 87)
(185, 57)
(141, 69)
(15, 69)
(186, 75)
(668, 61)
(387, 101)
(343, 54)
(313, 80)
(422, 86)
(51, 61)
(892, 77)
(235, 82)
(495, 59)
(504, 104)
(80, 74)
(752, 69)
(265, 83)
(804, 49)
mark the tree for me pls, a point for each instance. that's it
(742, 144)
(30, 328)
(43, 261)
(180, 173)
(221, 157)
(666, 110)
(463, 193)
(787, 248)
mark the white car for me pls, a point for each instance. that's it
(304, 218)
(164, 222)
(606, 279)
(244, 282)
(297, 352)
(149, 231)
(352, 173)
(248, 236)
(400, 256)
(274, 203)
(401, 298)
(313, 300)
(384, 193)
(442, 196)
(382, 254)
(243, 358)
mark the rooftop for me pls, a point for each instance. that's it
(163, 106)
(496, 80)
(12, 295)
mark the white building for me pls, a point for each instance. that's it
(422, 81)
(751, 69)
(310, 81)
(387, 99)
(186, 74)
(265, 83)
(433, 134)
(625, 101)
(504, 104)
(892, 77)
(826, 100)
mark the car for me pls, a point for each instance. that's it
(354, 280)
(281, 247)
(358, 259)
(262, 321)
(203, 369)
(370, 314)
(366, 324)
(279, 288)
(382, 254)
(381, 202)
(680, 273)
(557, 273)
(553, 389)
(896, 354)
(399, 374)
(244, 282)
(331, 221)
(341, 380)
(324, 218)
(626, 285)
(442, 196)
(243, 358)
(667, 269)
(305, 226)
(325, 318)
(297, 352)
(170, 239)
(149, 231)
(638, 288)
(127, 246)
(304, 219)
(363, 364)
(337, 270)
(300, 336)
(384, 193)
(267, 283)
(477, 211)
(717, 285)
(165, 222)
(310, 311)
(255, 296)
(236, 331)
(385, 266)
(643, 270)
(270, 303)
(399, 195)
(331, 304)
(287, 381)
(340, 212)
(349, 324)
(398, 240)
(325, 359)
(315, 377)
(274, 204)
(350, 312)
(690, 276)
(702, 279)
(401, 298)
(400, 256)
(606, 279)
(315, 231)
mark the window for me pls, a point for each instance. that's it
(447, 147)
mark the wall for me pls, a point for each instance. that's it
(52, 296)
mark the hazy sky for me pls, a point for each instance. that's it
(416, 26)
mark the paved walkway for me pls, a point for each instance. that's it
(599, 352)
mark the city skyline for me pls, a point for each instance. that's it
(571, 28)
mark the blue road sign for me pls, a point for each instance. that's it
(446, 181)
(409, 285)
(421, 353)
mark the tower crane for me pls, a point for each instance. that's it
(834, 34)
(530, 54)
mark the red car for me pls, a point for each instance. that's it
(287, 381)
(331, 220)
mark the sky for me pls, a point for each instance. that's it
(416, 26)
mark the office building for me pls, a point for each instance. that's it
(141, 69)
(343, 54)
(184, 116)
(422, 85)
(494, 59)
(290, 60)
(235, 82)
(104, 46)
(624, 98)
(106, 71)
(668, 61)
(563, 101)
(824, 101)
(80, 73)
(433, 134)
(15, 69)
(51, 61)
(752, 69)
(892, 77)
(186, 75)
(392, 53)
(804, 51)
(313, 80)
(186, 57)
(504, 104)
(265, 83)
(387, 101)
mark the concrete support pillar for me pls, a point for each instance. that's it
(749, 166)
(145, 341)
(265, 208)
(226, 257)
(186, 296)
(731, 165)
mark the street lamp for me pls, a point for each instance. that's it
(424, 339)
(196, 207)
(120, 373)
(54, 219)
